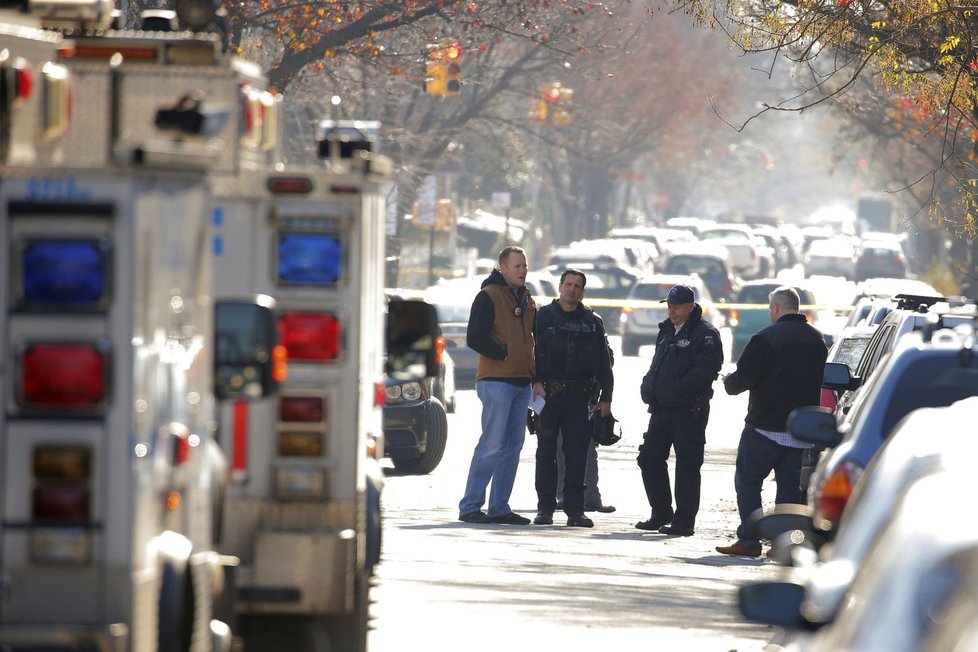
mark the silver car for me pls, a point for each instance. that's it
(644, 310)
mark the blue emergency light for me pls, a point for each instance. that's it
(65, 273)
(310, 259)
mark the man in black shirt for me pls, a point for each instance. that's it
(678, 388)
(572, 365)
(782, 366)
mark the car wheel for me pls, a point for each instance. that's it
(629, 346)
(437, 440)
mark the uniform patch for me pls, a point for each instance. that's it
(683, 343)
(708, 340)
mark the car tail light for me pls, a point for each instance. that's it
(439, 349)
(834, 495)
(310, 336)
(734, 318)
(302, 409)
(72, 376)
(379, 393)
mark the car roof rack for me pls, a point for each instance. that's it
(918, 302)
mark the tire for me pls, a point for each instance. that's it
(630, 347)
(348, 632)
(437, 440)
(176, 607)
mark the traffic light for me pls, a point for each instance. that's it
(443, 72)
(552, 104)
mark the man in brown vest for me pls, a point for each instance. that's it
(501, 331)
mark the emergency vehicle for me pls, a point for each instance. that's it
(110, 476)
(302, 511)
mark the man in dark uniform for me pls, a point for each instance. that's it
(782, 367)
(678, 388)
(572, 365)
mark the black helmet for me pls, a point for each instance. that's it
(603, 430)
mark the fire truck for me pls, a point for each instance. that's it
(113, 348)
(302, 511)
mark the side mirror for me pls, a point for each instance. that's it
(815, 425)
(412, 327)
(249, 363)
(837, 377)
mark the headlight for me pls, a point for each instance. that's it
(410, 391)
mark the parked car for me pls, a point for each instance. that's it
(911, 313)
(880, 258)
(710, 262)
(897, 595)
(415, 426)
(542, 285)
(925, 442)
(932, 368)
(745, 321)
(643, 311)
(738, 240)
(831, 257)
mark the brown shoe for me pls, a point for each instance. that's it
(739, 551)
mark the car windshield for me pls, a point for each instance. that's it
(851, 350)
(757, 293)
(705, 267)
(651, 291)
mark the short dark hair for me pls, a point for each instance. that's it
(504, 254)
(575, 272)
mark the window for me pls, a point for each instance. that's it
(933, 381)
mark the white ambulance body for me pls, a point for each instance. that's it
(110, 478)
(302, 510)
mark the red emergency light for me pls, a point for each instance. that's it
(64, 376)
(302, 409)
(310, 336)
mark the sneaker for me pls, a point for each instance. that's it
(603, 509)
(474, 517)
(509, 519)
(676, 530)
(654, 523)
(544, 518)
(579, 520)
(739, 550)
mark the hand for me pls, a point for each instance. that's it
(604, 407)
(538, 390)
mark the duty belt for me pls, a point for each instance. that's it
(555, 387)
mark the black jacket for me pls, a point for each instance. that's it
(573, 346)
(782, 366)
(684, 365)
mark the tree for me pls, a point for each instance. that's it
(923, 55)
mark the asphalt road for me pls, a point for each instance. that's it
(444, 585)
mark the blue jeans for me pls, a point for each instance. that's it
(757, 456)
(497, 454)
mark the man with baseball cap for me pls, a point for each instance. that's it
(678, 388)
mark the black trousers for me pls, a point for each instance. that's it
(565, 414)
(679, 430)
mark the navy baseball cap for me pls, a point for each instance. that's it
(679, 294)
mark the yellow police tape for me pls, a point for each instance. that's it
(637, 303)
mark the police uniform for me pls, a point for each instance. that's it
(574, 366)
(678, 388)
